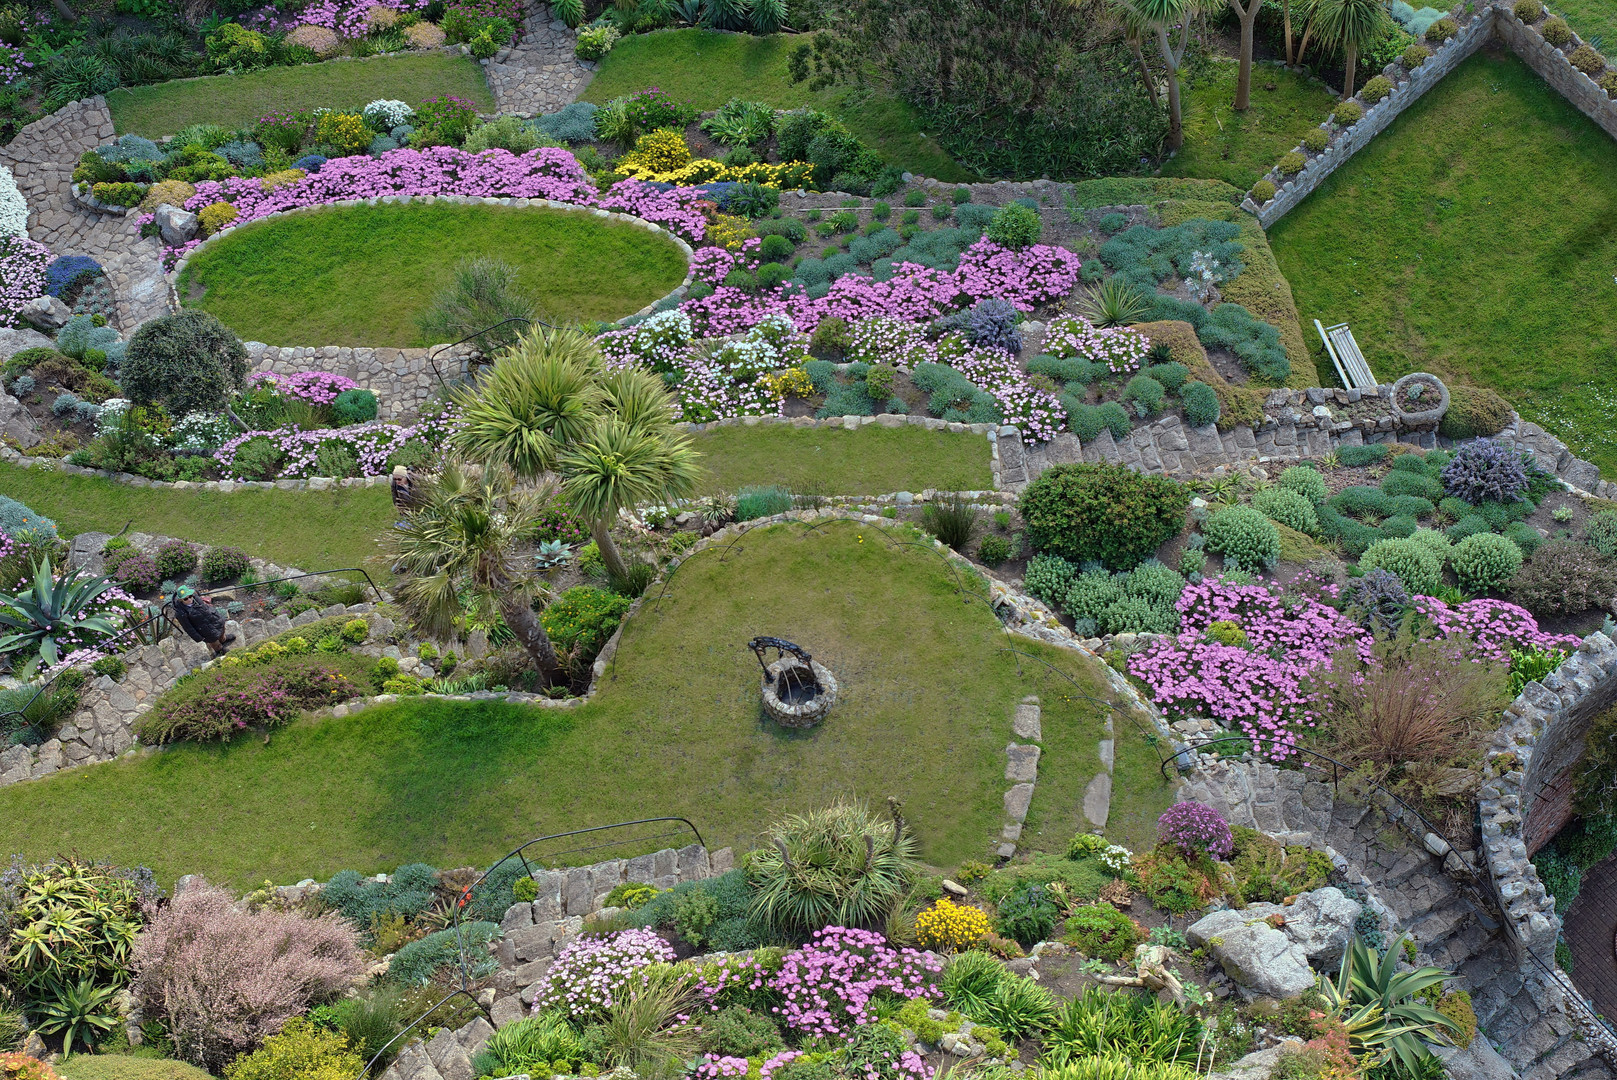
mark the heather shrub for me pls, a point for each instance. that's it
(1376, 89)
(1473, 411)
(1348, 113)
(301, 1051)
(1195, 829)
(176, 559)
(1291, 163)
(225, 699)
(1442, 30)
(1379, 597)
(1244, 537)
(1484, 562)
(222, 978)
(1416, 55)
(1564, 577)
(1413, 562)
(1316, 139)
(1263, 191)
(222, 564)
(1529, 11)
(1288, 508)
(1306, 482)
(1587, 59)
(1556, 31)
(1103, 512)
(1486, 471)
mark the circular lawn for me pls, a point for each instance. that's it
(360, 275)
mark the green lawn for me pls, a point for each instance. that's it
(923, 714)
(360, 275)
(834, 461)
(1594, 20)
(238, 100)
(710, 68)
(312, 530)
(1238, 148)
(1477, 239)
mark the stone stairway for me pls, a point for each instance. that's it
(539, 74)
(1523, 1013)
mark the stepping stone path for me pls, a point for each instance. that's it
(540, 75)
(1022, 769)
(1098, 795)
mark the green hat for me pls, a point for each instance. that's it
(184, 592)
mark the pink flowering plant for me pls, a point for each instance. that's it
(829, 986)
(22, 276)
(587, 973)
(1120, 348)
(347, 18)
(318, 388)
(1493, 627)
(371, 444)
(1196, 829)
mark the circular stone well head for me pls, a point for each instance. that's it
(798, 694)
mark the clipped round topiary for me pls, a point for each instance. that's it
(1306, 482)
(1292, 163)
(1588, 60)
(1484, 562)
(1317, 139)
(1104, 512)
(1263, 191)
(1348, 113)
(188, 361)
(1556, 31)
(1244, 537)
(1442, 30)
(1413, 561)
(1474, 411)
(1416, 55)
(1529, 11)
(1376, 89)
(1288, 508)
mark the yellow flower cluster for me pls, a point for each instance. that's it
(793, 174)
(280, 178)
(793, 382)
(946, 925)
(729, 232)
(344, 131)
(663, 150)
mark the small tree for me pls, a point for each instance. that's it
(1247, 16)
(1160, 18)
(1351, 25)
(188, 362)
(483, 295)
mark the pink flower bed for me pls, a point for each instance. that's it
(372, 443)
(828, 984)
(345, 17)
(22, 275)
(315, 387)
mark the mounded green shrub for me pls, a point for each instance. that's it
(1556, 31)
(1348, 113)
(1091, 594)
(1484, 562)
(1306, 482)
(1412, 561)
(1355, 457)
(1587, 59)
(189, 361)
(1473, 411)
(1288, 508)
(1435, 542)
(1145, 393)
(1049, 577)
(1529, 11)
(1442, 30)
(1201, 404)
(1244, 537)
(1376, 89)
(1104, 512)
(1291, 164)
(1417, 54)
(1316, 139)
(1409, 482)
(1600, 532)
(1263, 191)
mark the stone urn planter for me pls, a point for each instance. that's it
(1419, 399)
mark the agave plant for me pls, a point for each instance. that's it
(50, 613)
(79, 1012)
(550, 553)
(841, 866)
(1114, 302)
(1376, 1002)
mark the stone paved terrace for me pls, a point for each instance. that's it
(540, 73)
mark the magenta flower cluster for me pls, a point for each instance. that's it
(785, 1057)
(1259, 689)
(714, 1066)
(345, 17)
(315, 387)
(590, 971)
(7, 545)
(1038, 413)
(1196, 829)
(1494, 627)
(829, 984)
(22, 275)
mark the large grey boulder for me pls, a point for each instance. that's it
(175, 225)
(1479, 1061)
(46, 313)
(85, 551)
(14, 340)
(1257, 1065)
(1262, 960)
(16, 421)
(1322, 923)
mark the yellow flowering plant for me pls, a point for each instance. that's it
(663, 150)
(793, 382)
(729, 232)
(950, 926)
(794, 174)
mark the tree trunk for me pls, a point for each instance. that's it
(1145, 71)
(609, 550)
(521, 620)
(1176, 125)
(1352, 62)
(1308, 32)
(1248, 17)
(65, 11)
(1285, 17)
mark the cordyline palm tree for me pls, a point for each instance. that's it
(1247, 16)
(549, 406)
(1350, 25)
(463, 534)
(1135, 32)
(1160, 18)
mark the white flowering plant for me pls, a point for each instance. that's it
(1116, 859)
(385, 114)
(13, 207)
(202, 432)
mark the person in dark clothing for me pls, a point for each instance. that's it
(403, 488)
(201, 621)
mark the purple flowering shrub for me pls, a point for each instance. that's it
(589, 971)
(23, 263)
(1196, 829)
(829, 984)
(372, 444)
(346, 18)
(318, 388)
(1486, 471)
(225, 699)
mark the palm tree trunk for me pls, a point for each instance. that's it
(609, 550)
(521, 620)
(1285, 17)
(1352, 61)
(1145, 70)
(1248, 16)
(1176, 125)
(1308, 32)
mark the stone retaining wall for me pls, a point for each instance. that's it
(1496, 20)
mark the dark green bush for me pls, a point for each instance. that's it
(1104, 512)
(1102, 932)
(1026, 916)
(1245, 538)
(188, 361)
(1474, 411)
(1358, 456)
(361, 900)
(354, 407)
(1201, 404)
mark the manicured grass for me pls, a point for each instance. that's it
(834, 461)
(709, 68)
(924, 711)
(238, 100)
(1476, 239)
(1239, 147)
(312, 530)
(360, 275)
(1594, 20)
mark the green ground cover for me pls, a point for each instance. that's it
(1594, 20)
(238, 100)
(834, 461)
(1239, 147)
(360, 275)
(313, 530)
(924, 713)
(709, 68)
(1438, 244)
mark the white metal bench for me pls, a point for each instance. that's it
(1344, 352)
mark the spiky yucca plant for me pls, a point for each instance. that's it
(841, 866)
(1378, 1005)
